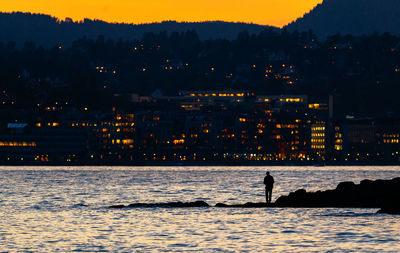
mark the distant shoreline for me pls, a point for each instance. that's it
(200, 164)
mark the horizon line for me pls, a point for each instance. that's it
(77, 21)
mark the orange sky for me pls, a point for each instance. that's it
(268, 12)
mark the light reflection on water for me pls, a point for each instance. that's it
(64, 209)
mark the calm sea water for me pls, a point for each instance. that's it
(64, 209)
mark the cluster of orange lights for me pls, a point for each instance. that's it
(391, 141)
(314, 106)
(127, 141)
(82, 124)
(338, 147)
(45, 158)
(291, 126)
(391, 135)
(51, 108)
(226, 136)
(179, 141)
(217, 95)
(17, 144)
(291, 100)
(54, 124)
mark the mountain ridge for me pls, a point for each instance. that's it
(356, 17)
(21, 27)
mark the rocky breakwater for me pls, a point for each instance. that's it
(383, 194)
(169, 204)
(247, 205)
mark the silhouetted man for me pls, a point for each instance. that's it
(269, 185)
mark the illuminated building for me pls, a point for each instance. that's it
(272, 136)
(114, 139)
(213, 96)
(282, 99)
(205, 135)
(155, 135)
(202, 127)
(338, 141)
(318, 139)
(284, 104)
(47, 143)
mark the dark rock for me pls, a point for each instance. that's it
(247, 205)
(80, 205)
(171, 204)
(368, 193)
(346, 186)
(117, 206)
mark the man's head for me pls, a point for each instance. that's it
(267, 173)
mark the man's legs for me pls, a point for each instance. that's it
(269, 196)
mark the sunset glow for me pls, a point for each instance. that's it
(266, 12)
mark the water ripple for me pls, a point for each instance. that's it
(60, 209)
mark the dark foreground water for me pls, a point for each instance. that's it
(65, 209)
